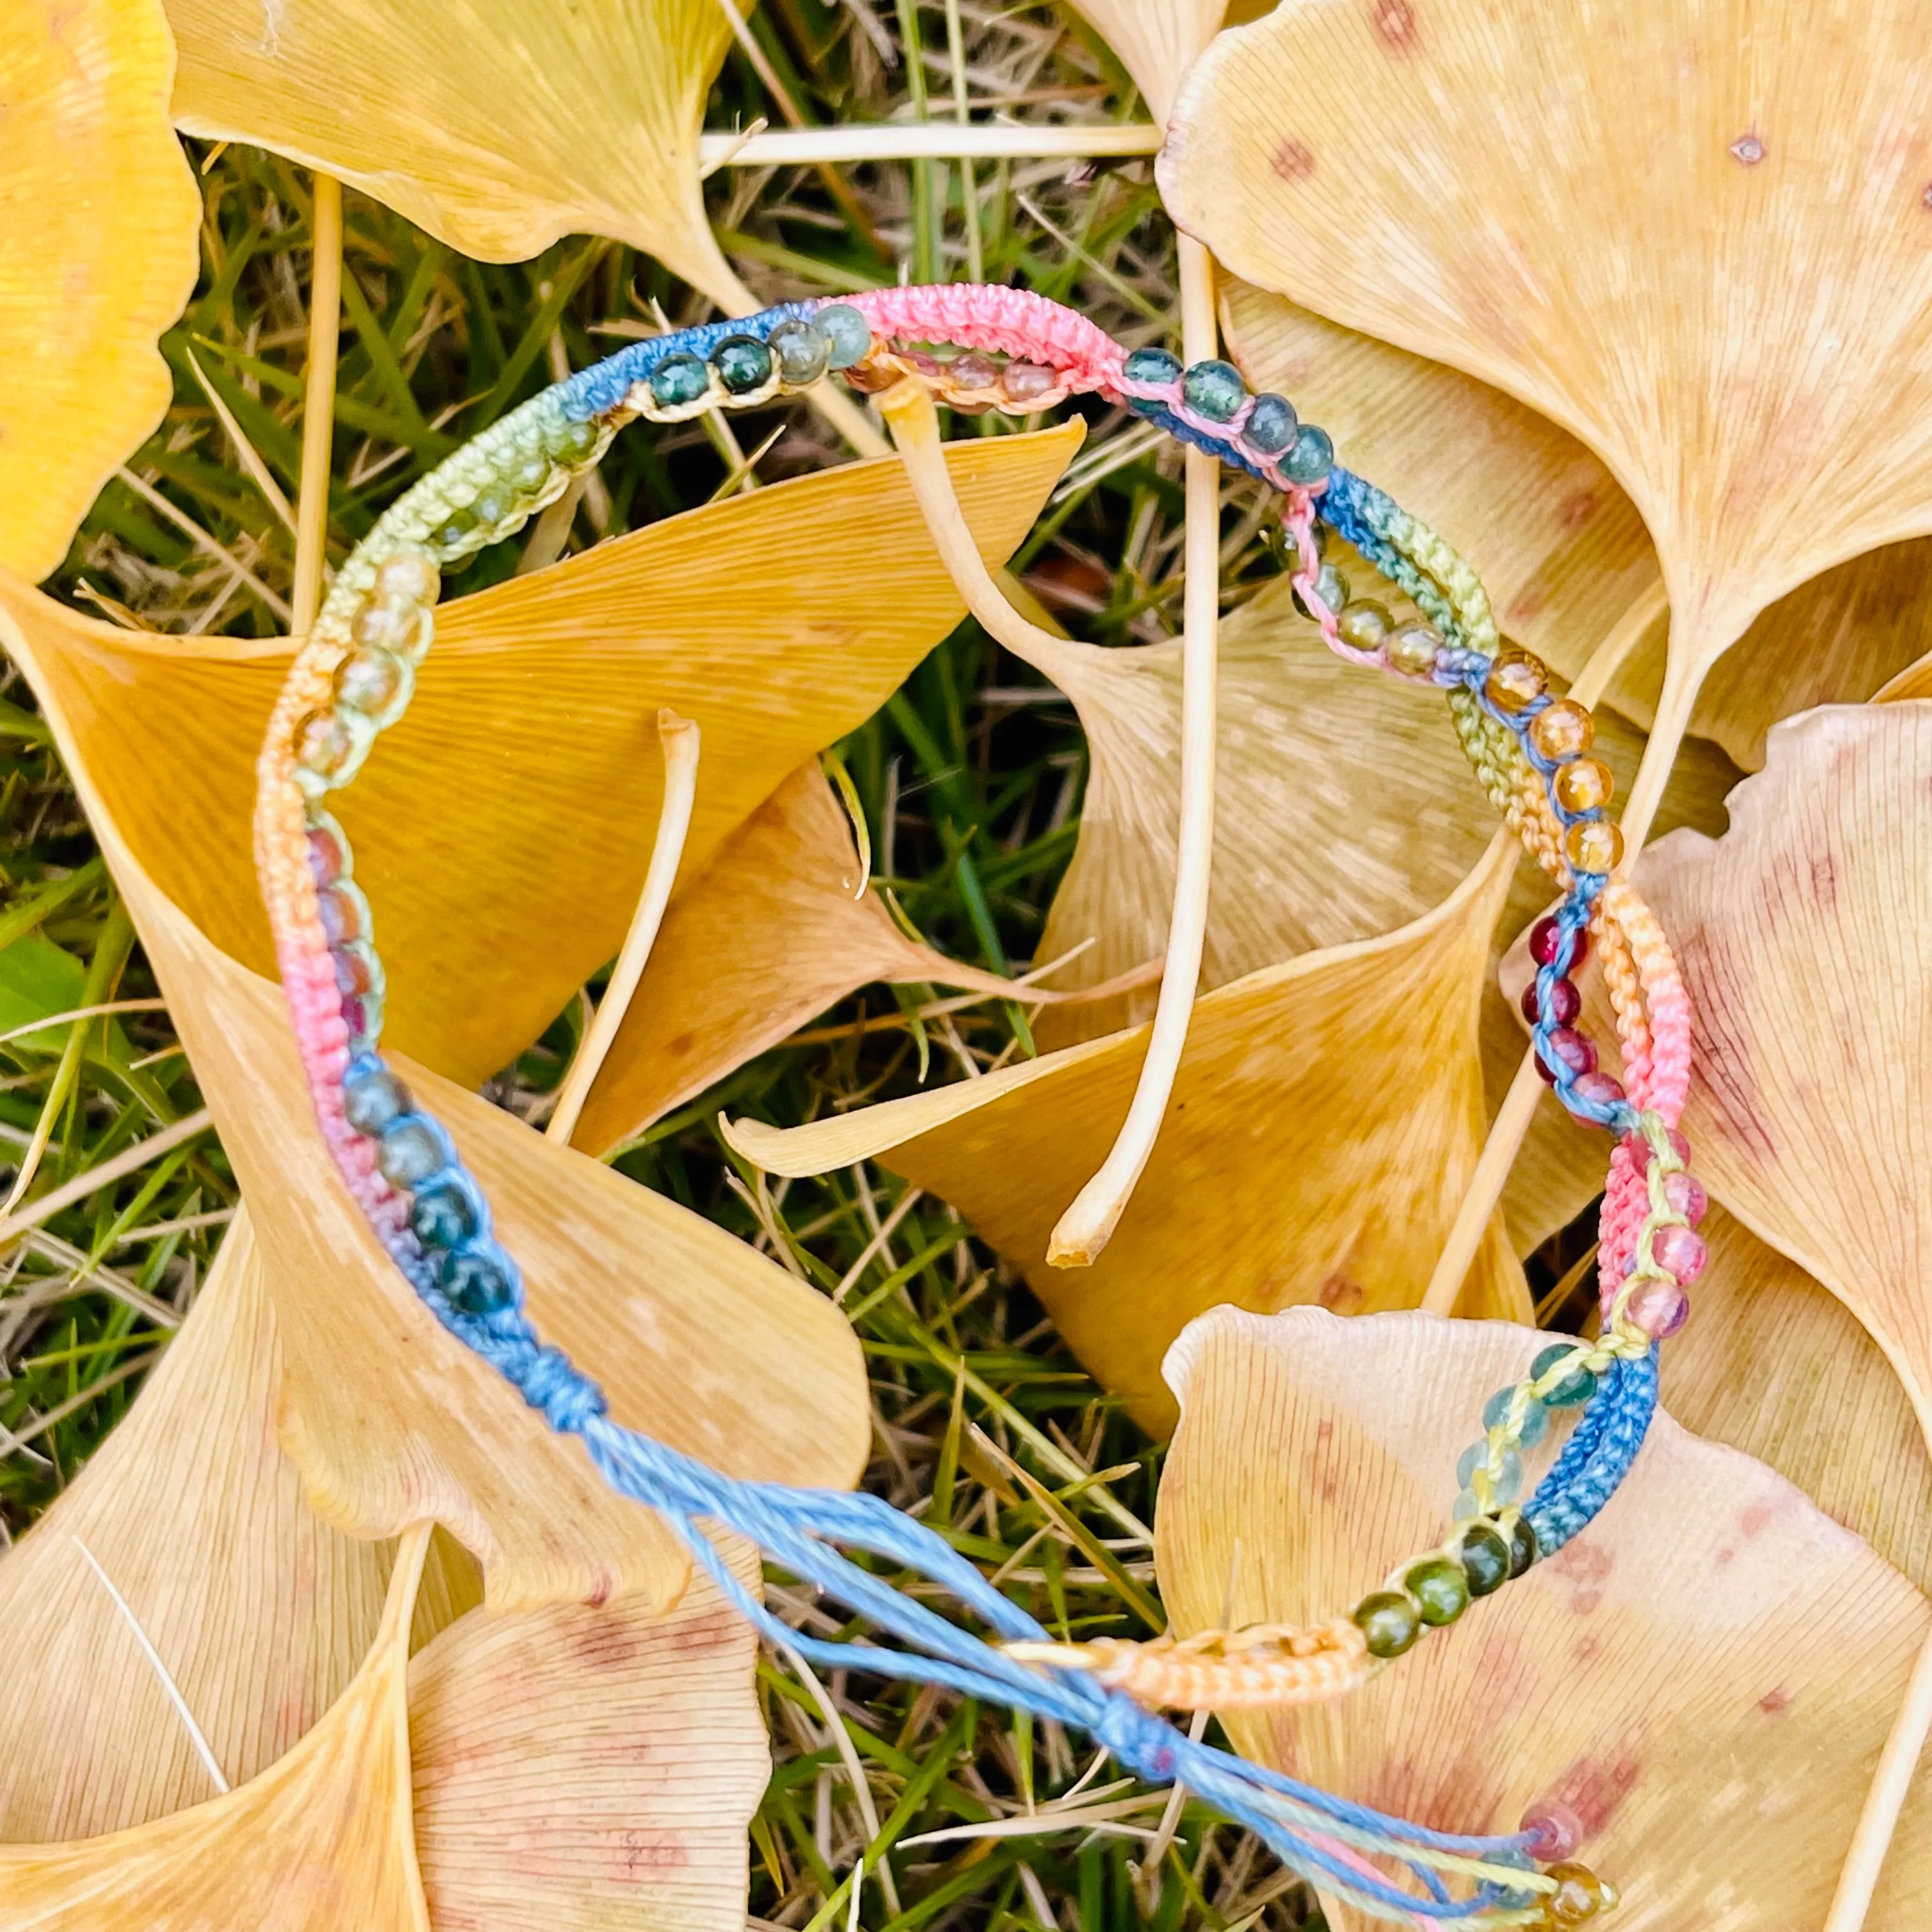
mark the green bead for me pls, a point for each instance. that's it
(743, 363)
(441, 1217)
(1441, 1590)
(1523, 1550)
(1486, 1559)
(1271, 426)
(478, 1283)
(1213, 389)
(455, 529)
(1535, 1416)
(1331, 586)
(575, 441)
(1312, 458)
(1388, 1620)
(533, 474)
(1575, 1389)
(849, 332)
(678, 381)
(1151, 366)
(804, 351)
(491, 507)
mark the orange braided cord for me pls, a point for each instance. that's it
(1259, 1667)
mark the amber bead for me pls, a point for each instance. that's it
(409, 577)
(323, 744)
(369, 679)
(974, 371)
(1515, 678)
(1580, 1894)
(1563, 730)
(385, 626)
(1585, 785)
(1595, 845)
(1414, 647)
(1363, 626)
(1026, 382)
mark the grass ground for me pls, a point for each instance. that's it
(970, 777)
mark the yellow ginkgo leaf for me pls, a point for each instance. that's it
(1703, 1678)
(101, 221)
(1325, 1121)
(585, 1769)
(1775, 1365)
(390, 1419)
(323, 1838)
(1156, 39)
(1738, 327)
(503, 831)
(497, 128)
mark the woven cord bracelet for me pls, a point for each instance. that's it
(977, 348)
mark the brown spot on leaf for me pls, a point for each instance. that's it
(1586, 1568)
(1593, 1787)
(1293, 160)
(1528, 602)
(1578, 507)
(1344, 1296)
(1775, 1702)
(1394, 24)
(1748, 147)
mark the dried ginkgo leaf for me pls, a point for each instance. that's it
(1326, 1117)
(1773, 1365)
(389, 1418)
(581, 1769)
(497, 128)
(538, 709)
(322, 1839)
(102, 222)
(1704, 1677)
(1738, 327)
(1156, 39)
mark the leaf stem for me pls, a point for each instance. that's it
(325, 331)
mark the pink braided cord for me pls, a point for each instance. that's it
(1015, 322)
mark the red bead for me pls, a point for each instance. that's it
(1565, 1002)
(1604, 1090)
(354, 1017)
(325, 858)
(1556, 1832)
(1680, 1253)
(1573, 1049)
(1542, 937)
(352, 973)
(1686, 1197)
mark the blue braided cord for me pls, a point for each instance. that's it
(1357, 512)
(599, 389)
(1570, 1497)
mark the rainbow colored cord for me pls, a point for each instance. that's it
(976, 349)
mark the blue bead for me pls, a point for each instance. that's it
(1535, 1417)
(678, 381)
(1574, 1389)
(477, 1281)
(743, 363)
(851, 333)
(1152, 365)
(1506, 1487)
(372, 1100)
(1272, 425)
(409, 1151)
(443, 1217)
(1213, 389)
(1312, 458)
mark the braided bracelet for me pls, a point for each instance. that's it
(975, 349)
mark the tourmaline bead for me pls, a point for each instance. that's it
(340, 909)
(1505, 1487)
(355, 1017)
(1364, 625)
(409, 577)
(1543, 937)
(1680, 1253)
(1555, 1831)
(743, 363)
(1660, 1308)
(371, 1101)
(850, 333)
(1027, 382)
(323, 744)
(1599, 1089)
(1469, 1507)
(1639, 1147)
(974, 371)
(1440, 1591)
(1272, 425)
(1213, 389)
(1575, 1389)
(1578, 1897)
(1414, 647)
(575, 441)
(1310, 457)
(804, 351)
(368, 680)
(1585, 785)
(479, 1284)
(491, 506)
(1595, 845)
(1516, 679)
(441, 1217)
(1686, 1197)
(1389, 1621)
(353, 975)
(1152, 366)
(1330, 587)
(1569, 1047)
(1535, 1417)
(455, 530)
(678, 381)
(1565, 1002)
(531, 475)
(1486, 1559)
(1523, 1550)
(409, 1151)
(1562, 729)
(325, 856)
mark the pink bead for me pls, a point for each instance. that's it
(1604, 1089)
(1686, 1197)
(1556, 1832)
(1660, 1308)
(1640, 1147)
(1680, 1253)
